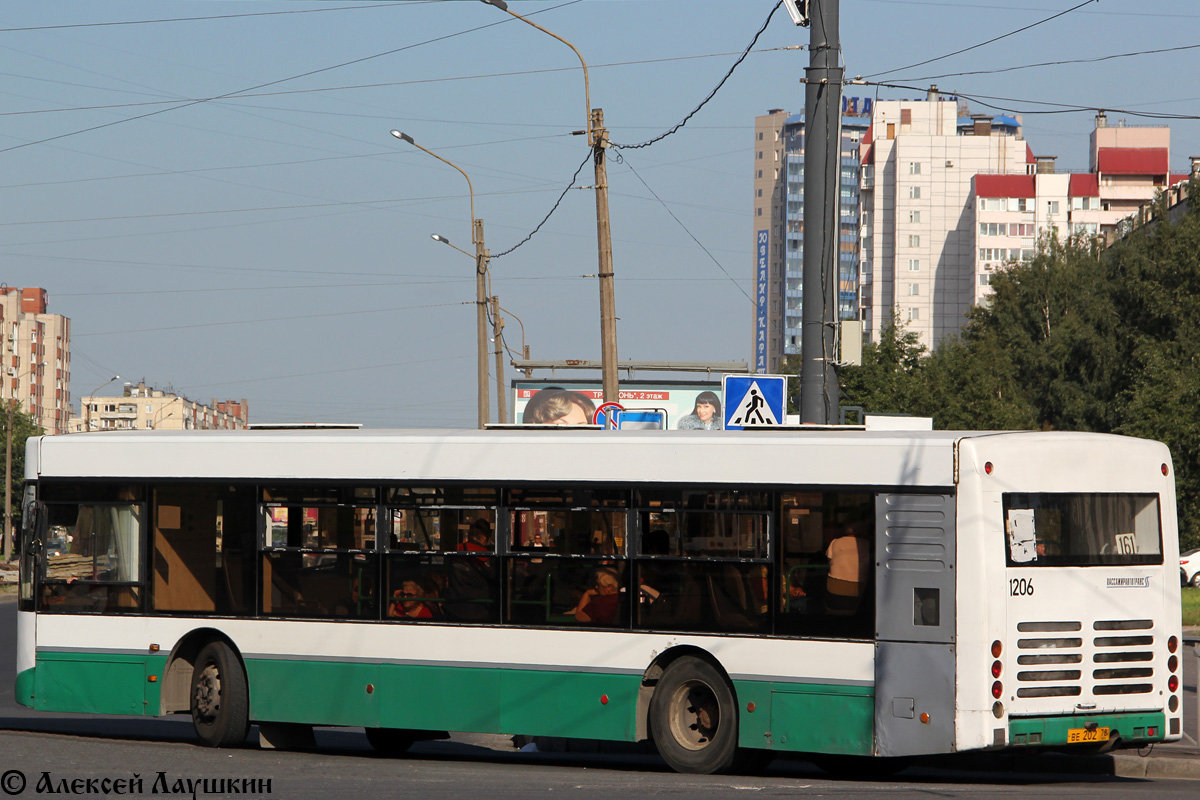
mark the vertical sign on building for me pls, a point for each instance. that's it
(760, 296)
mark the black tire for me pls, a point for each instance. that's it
(863, 768)
(1196, 580)
(389, 741)
(694, 718)
(220, 699)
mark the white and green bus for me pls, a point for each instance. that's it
(724, 595)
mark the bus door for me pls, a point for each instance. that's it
(914, 621)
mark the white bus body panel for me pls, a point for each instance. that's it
(988, 611)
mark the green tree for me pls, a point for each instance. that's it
(889, 380)
(23, 427)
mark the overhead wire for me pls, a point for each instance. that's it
(711, 94)
(621, 159)
(985, 43)
(1058, 108)
(1059, 63)
(271, 319)
(276, 82)
(553, 208)
(203, 19)
(385, 84)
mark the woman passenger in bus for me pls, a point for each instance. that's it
(599, 604)
(410, 602)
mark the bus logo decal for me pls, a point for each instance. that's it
(1128, 583)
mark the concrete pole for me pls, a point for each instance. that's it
(497, 331)
(608, 303)
(822, 190)
(481, 259)
(8, 528)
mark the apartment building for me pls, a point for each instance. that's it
(918, 243)
(143, 407)
(35, 353)
(1129, 166)
(779, 228)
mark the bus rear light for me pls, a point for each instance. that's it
(1151, 732)
(998, 689)
(1172, 644)
(996, 648)
(1164, 469)
(1173, 703)
(1173, 683)
(987, 467)
(997, 668)
(1173, 663)
(998, 710)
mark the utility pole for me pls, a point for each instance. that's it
(481, 264)
(497, 332)
(822, 220)
(608, 303)
(8, 528)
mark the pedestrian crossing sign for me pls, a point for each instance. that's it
(754, 401)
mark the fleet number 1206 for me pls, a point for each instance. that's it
(1020, 587)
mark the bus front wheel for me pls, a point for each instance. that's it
(693, 717)
(220, 701)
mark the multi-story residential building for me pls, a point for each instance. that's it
(918, 245)
(1128, 168)
(145, 408)
(36, 358)
(779, 228)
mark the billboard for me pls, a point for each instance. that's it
(760, 302)
(573, 399)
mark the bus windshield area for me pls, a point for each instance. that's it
(1082, 530)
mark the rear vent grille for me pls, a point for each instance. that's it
(1121, 662)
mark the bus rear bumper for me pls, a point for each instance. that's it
(1093, 730)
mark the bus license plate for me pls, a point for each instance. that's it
(1076, 735)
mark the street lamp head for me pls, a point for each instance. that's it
(500, 4)
(404, 136)
(437, 237)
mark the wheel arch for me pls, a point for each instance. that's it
(655, 670)
(177, 677)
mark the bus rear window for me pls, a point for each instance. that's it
(1082, 530)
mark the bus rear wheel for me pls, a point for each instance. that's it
(220, 700)
(694, 718)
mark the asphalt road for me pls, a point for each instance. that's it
(43, 754)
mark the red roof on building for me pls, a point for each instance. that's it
(1005, 186)
(1084, 184)
(1132, 160)
(1179, 178)
(1029, 158)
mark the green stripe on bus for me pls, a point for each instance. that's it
(806, 717)
(482, 700)
(97, 683)
(1053, 730)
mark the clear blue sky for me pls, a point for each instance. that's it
(274, 243)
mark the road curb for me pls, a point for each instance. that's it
(1130, 766)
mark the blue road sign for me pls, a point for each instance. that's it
(754, 401)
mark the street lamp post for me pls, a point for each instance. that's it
(598, 141)
(87, 418)
(481, 261)
(524, 347)
(497, 333)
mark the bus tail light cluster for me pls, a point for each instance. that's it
(997, 686)
(1173, 668)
